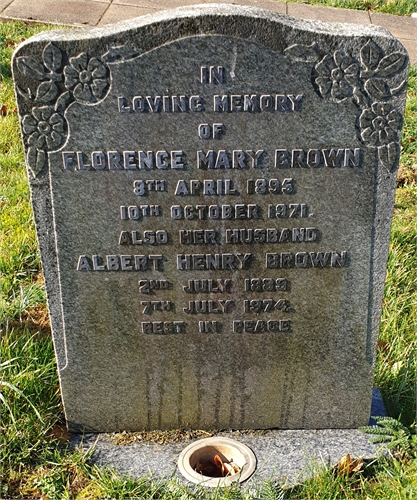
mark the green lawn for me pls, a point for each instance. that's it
(36, 462)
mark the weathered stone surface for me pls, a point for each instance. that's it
(213, 190)
(289, 456)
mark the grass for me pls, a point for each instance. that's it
(36, 460)
(396, 7)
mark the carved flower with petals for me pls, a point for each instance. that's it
(86, 78)
(45, 128)
(379, 124)
(338, 75)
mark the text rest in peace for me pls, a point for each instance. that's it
(247, 326)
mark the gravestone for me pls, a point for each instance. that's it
(213, 190)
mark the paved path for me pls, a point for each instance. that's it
(99, 12)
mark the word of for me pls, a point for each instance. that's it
(207, 131)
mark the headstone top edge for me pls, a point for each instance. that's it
(199, 10)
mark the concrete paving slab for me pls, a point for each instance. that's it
(117, 13)
(328, 14)
(121, 10)
(172, 4)
(77, 12)
(279, 7)
(401, 27)
(4, 4)
(150, 4)
(411, 48)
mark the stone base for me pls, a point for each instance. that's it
(289, 456)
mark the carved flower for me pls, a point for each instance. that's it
(379, 124)
(44, 127)
(87, 78)
(337, 75)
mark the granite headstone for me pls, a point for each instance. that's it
(213, 190)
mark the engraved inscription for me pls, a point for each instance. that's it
(266, 284)
(209, 306)
(266, 305)
(163, 327)
(271, 186)
(150, 286)
(142, 188)
(253, 103)
(213, 262)
(120, 263)
(287, 211)
(161, 103)
(209, 327)
(156, 305)
(135, 212)
(222, 159)
(315, 158)
(238, 162)
(239, 211)
(284, 235)
(124, 160)
(213, 74)
(207, 131)
(199, 237)
(208, 286)
(148, 238)
(306, 259)
(207, 187)
(261, 326)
